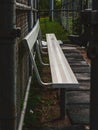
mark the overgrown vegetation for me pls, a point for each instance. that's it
(77, 25)
(53, 27)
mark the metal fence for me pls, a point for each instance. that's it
(18, 18)
(70, 14)
(26, 17)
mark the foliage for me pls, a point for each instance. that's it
(52, 27)
(57, 4)
(77, 26)
(44, 4)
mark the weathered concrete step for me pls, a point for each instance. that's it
(74, 127)
(83, 76)
(78, 97)
(80, 62)
(79, 65)
(78, 101)
(70, 50)
(79, 114)
(76, 55)
(70, 59)
(84, 84)
(81, 69)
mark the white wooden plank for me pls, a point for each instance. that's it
(32, 36)
(61, 72)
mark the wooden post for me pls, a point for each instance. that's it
(7, 65)
(93, 52)
(62, 103)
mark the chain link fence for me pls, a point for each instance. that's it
(26, 17)
(70, 14)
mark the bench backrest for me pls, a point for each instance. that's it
(31, 38)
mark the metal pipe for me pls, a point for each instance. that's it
(20, 6)
(51, 10)
(59, 10)
(24, 105)
(25, 7)
(7, 65)
(52, 7)
(30, 17)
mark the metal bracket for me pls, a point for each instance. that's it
(11, 34)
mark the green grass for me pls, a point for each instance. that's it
(53, 27)
(33, 106)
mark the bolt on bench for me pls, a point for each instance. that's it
(62, 76)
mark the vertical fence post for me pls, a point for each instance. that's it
(93, 53)
(7, 65)
(62, 103)
(51, 10)
(29, 17)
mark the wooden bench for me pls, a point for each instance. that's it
(61, 73)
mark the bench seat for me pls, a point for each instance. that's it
(62, 75)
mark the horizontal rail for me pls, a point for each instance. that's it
(78, 89)
(78, 103)
(25, 7)
(60, 10)
(20, 6)
(35, 10)
(67, 2)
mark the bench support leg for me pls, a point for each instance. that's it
(62, 103)
(39, 56)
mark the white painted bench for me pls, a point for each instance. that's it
(61, 73)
